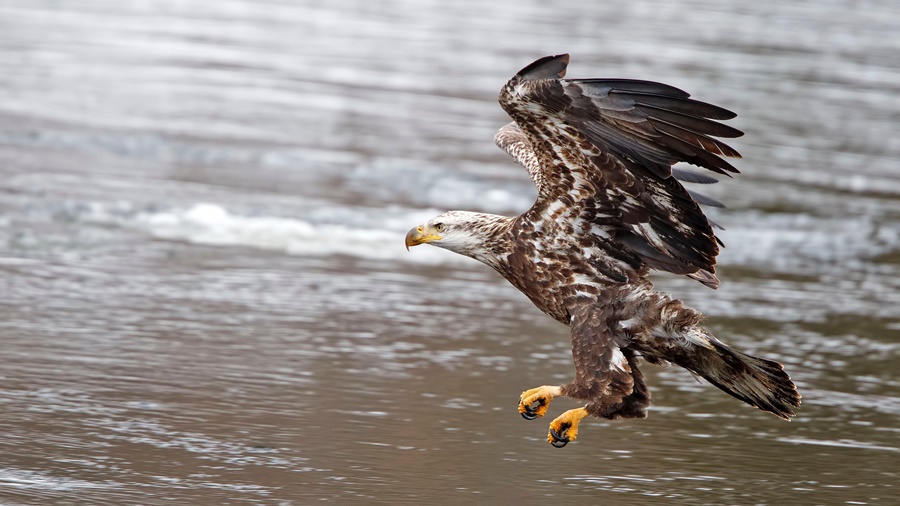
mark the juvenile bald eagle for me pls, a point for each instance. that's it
(611, 207)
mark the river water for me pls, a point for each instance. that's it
(205, 299)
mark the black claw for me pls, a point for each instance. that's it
(560, 444)
(559, 440)
(529, 413)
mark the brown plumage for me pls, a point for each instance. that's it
(611, 207)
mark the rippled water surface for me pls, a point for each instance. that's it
(205, 297)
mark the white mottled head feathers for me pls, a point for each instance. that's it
(471, 234)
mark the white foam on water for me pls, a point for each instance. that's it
(212, 224)
(41, 480)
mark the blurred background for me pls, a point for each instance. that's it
(205, 299)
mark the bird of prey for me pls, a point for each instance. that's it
(610, 208)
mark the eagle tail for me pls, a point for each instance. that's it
(757, 381)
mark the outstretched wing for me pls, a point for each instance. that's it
(601, 153)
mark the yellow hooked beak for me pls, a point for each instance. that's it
(421, 235)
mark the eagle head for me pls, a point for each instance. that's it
(463, 232)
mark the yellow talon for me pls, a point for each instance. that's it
(565, 428)
(541, 395)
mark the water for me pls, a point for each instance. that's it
(205, 297)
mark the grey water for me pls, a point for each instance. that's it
(205, 299)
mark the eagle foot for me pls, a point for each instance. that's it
(534, 403)
(564, 428)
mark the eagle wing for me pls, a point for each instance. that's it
(601, 151)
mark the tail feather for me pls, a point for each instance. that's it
(757, 381)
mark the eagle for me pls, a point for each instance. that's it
(610, 208)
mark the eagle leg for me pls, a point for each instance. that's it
(534, 403)
(564, 428)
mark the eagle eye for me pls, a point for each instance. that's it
(439, 227)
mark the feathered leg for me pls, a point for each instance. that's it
(635, 404)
